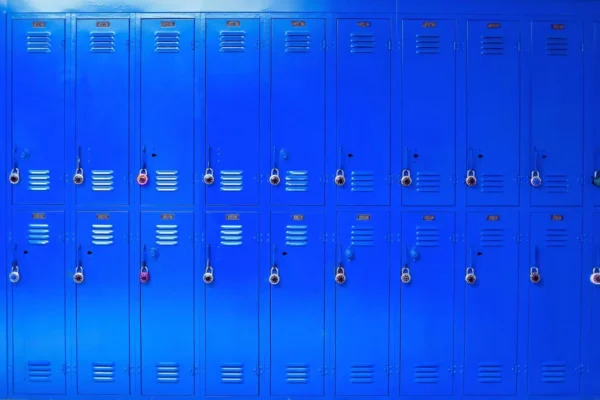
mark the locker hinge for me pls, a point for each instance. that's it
(389, 237)
(515, 369)
(388, 369)
(452, 370)
(582, 47)
(390, 45)
(457, 237)
(580, 369)
(258, 370)
(583, 237)
(324, 44)
(324, 238)
(127, 45)
(455, 45)
(519, 46)
(519, 238)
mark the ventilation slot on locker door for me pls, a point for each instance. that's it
(362, 236)
(296, 181)
(428, 182)
(362, 374)
(233, 41)
(489, 373)
(296, 235)
(492, 45)
(167, 372)
(102, 235)
(102, 181)
(556, 183)
(166, 42)
(362, 181)
(297, 373)
(102, 42)
(103, 372)
(427, 44)
(232, 373)
(231, 235)
(362, 43)
(166, 181)
(39, 180)
(554, 372)
(297, 42)
(166, 235)
(39, 42)
(427, 374)
(491, 238)
(232, 181)
(557, 46)
(39, 371)
(490, 183)
(39, 234)
(427, 237)
(556, 237)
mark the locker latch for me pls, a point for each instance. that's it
(596, 180)
(78, 176)
(208, 276)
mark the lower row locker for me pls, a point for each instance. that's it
(102, 303)
(231, 313)
(38, 304)
(490, 280)
(167, 303)
(427, 304)
(362, 304)
(554, 304)
(297, 278)
(591, 349)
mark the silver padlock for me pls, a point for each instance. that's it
(471, 180)
(78, 276)
(405, 277)
(14, 177)
(595, 277)
(536, 179)
(78, 177)
(340, 276)
(470, 277)
(208, 276)
(142, 178)
(534, 275)
(209, 176)
(596, 180)
(14, 275)
(340, 179)
(274, 179)
(406, 180)
(274, 277)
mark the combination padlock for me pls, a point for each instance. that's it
(209, 177)
(274, 277)
(340, 276)
(405, 277)
(144, 274)
(470, 277)
(208, 276)
(274, 179)
(142, 178)
(78, 177)
(14, 275)
(595, 277)
(78, 276)
(406, 180)
(471, 180)
(340, 179)
(14, 176)
(536, 179)
(534, 275)
(596, 180)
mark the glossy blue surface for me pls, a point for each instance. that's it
(244, 90)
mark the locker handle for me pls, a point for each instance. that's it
(78, 176)
(340, 178)
(208, 276)
(209, 175)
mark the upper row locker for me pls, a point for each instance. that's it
(167, 111)
(363, 112)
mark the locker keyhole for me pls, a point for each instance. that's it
(284, 253)
(25, 252)
(479, 253)
(350, 155)
(544, 156)
(480, 156)
(90, 252)
(415, 155)
(154, 155)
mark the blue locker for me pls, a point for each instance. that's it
(491, 303)
(556, 114)
(596, 133)
(555, 304)
(427, 309)
(38, 303)
(298, 304)
(590, 349)
(167, 111)
(167, 304)
(493, 110)
(363, 111)
(428, 112)
(232, 110)
(102, 107)
(38, 111)
(362, 304)
(298, 111)
(231, 312)
(103, 303)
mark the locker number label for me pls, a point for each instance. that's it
(102, 24)
(559, 27)
(38, 24)
(429, 24)
(38, 216)
(493, 218)
(232, 217)
(167, 24)
(494, 25)
(102, 217)
(233, 23)
(298, 217)
(364, 24)
(428, 217)
(299, 24)
(363, 217)
(167, 216)
(557, 217)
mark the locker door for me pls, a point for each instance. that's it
(556, 113)
(103, 303)
(102, 107)
(167, 110)
(555, 304)
(429, 112)
(38, 110)
(362, 309)
(298, 304)
(493, 113)
(38, 300)
(491, 313)
(298, 111)
(596, 134)
(427, 304)
(591, 350)
(364, 111)
(232, 110)
(231, 312)
(167, 304)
